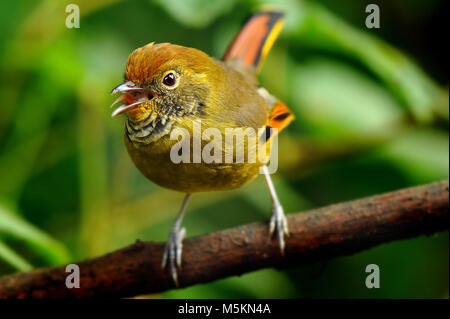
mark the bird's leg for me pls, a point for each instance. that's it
(278, 221)
(174, 245)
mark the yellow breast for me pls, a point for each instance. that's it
(157, 162)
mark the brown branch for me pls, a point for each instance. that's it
(317, 234)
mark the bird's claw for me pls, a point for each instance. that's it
(278, 223)
(172, 253)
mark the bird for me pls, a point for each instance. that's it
(170, 88)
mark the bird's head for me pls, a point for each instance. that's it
(163, 83)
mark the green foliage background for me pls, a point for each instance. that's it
(372, 116)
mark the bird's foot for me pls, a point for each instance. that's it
(278, 224)
(173, 251)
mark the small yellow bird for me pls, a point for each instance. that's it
(169, 87)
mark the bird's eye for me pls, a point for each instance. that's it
(170, 79)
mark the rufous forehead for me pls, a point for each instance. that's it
(145, 62)
(151, 59)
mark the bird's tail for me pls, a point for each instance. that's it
(254, 41)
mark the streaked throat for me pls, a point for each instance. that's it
(148, 129)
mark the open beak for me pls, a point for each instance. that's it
(125, 87)
(131, 102)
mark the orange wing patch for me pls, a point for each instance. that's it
(279, 118)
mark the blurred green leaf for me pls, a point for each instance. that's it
(421, 154)
(41, 243)
(196, 13)
(337, 100)
(406, 80)
(8, 255)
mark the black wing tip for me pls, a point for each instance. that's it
(273, 13)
